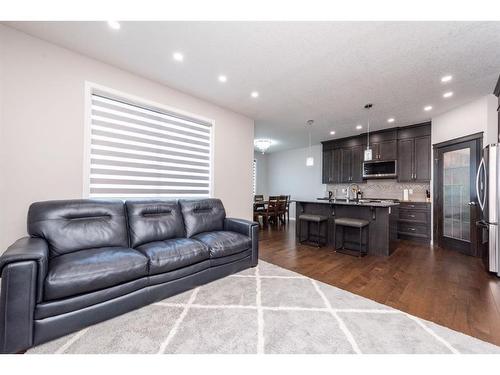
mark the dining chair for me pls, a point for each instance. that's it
(258, 202)
(270, 213)
(282, 208)
(288, 197)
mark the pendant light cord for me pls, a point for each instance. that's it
(309, 143)
(368, 135)
(368, 107)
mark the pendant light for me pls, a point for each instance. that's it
(368, 151)
(263, 144)
(310, 158)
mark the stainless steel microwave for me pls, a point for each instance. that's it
(380, 169)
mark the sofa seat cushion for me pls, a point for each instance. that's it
(224, 243)
(169, 255)
(93, 269)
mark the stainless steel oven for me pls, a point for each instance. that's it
(380, 169)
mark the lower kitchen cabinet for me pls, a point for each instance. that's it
(414, 222)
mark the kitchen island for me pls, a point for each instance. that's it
(382, 215)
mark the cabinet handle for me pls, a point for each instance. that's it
(412, 229)
(412, 215)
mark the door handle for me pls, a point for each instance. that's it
(481, 165)
(472, 203)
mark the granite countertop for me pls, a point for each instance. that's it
(363, 203)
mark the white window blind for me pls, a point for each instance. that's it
(137, 151)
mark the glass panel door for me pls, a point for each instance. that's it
(456, 194)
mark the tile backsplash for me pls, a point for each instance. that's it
(387, 189)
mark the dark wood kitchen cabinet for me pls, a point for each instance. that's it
(414, 222)
(414, 154)
(387, 150)
(406, 155)
(423, 159)
(410, 146)
(331, 166)
(327, 165)
(352, 164)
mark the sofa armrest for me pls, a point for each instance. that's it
(17, 306)
(23, 267)
(248, 228)
(28, 249)
(240, 226)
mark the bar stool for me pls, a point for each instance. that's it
(318, 219)
(353, 223)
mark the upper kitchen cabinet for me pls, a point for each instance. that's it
(384, 145)
(386, 150)
(343, 160)
(410, 146)
(414, 153)
(331, 166)
(352, 164)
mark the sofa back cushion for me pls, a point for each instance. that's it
(205, 215)
(153, 220)
(72, 225)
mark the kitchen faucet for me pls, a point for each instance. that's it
(354, 188)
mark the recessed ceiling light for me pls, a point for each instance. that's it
(390, 120)
(332, 132)
(178, 56)
(115, 25)
(448, 94)
(359, 127)
(254, 94)
(222, 78)
(428, 108)
(447, 78)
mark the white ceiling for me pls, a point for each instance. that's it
(324, 71)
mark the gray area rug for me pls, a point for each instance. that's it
(266, 310)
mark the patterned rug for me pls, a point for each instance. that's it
(266, 310)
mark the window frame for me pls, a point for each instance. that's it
(254, 176)
(91, 88)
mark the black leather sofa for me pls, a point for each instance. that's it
(86, 261)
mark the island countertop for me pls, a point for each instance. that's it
(366, 203)
(381, 215)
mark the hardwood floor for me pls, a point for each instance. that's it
(435, 284)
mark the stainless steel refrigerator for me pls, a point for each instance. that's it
(487, 188)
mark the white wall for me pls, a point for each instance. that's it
(42, 128)
(477, 116)
(289, 175)
(262, 175)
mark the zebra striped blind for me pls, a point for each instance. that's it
(143, 152)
